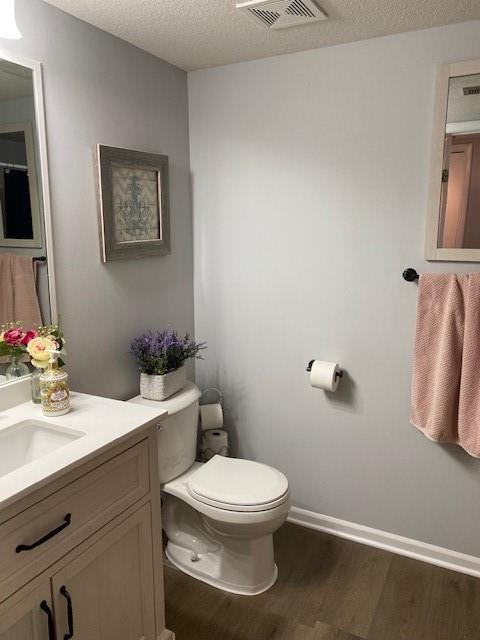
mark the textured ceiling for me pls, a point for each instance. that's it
(193, 34)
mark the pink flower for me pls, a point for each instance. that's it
(54, 341)
(13, 336)
(28, 336)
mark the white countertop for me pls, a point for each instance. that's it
(104, 423)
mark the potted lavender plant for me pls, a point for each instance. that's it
(161, 357)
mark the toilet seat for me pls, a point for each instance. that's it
(238, 485)
(179, 488)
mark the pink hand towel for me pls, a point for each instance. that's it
(18, 291)
(469, 400)
(446, 369)
(7, 293)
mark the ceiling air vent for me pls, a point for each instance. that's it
(471, 91)
(280, 14)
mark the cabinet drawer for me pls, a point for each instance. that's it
(70, 515)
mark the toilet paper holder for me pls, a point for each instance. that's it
(210, 390)
(338, 374)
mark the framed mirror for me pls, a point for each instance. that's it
(453, 224)
(27, 292)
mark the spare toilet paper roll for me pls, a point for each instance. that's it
(211, 416)
(324, 375)
(214, 442)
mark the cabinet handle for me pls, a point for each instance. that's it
(28, 547)
(68, 598)
(51, 627)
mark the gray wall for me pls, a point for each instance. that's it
(309, 193)
(99, 89)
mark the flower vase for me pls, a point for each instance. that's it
(162, 387)
(35, 384)
(16, 368)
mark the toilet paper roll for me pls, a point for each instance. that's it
(214, 442)
(324, 375)
(211, 416)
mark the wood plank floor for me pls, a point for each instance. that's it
(330, 589)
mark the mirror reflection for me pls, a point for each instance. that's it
(24, 295)
(460, 194)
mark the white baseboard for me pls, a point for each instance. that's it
(389, 541)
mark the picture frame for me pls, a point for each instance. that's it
(133, 203)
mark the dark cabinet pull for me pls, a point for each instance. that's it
(51, 627)
(47, 536)
(68, 598)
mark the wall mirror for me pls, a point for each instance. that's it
(27, 292)
(453, 226)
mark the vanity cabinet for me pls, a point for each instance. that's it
(80, 507)
(106, 591)
(27, 614)
(81, 558)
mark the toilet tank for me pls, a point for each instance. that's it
(177, 435)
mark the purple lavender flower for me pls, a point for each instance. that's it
(159, 352)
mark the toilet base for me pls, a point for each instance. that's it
(210, 567)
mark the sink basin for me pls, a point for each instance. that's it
(29, 440)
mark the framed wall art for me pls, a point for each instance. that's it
(134, 216)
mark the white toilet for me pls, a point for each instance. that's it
(219, 517)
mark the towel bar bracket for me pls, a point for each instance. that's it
(410, 275)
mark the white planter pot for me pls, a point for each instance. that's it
(162, 387)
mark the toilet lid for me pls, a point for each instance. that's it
(238, 485)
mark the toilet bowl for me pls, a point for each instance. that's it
(218, 516)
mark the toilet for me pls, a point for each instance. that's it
(218, 516)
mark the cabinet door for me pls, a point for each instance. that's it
(106, 592)
(27, 615)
